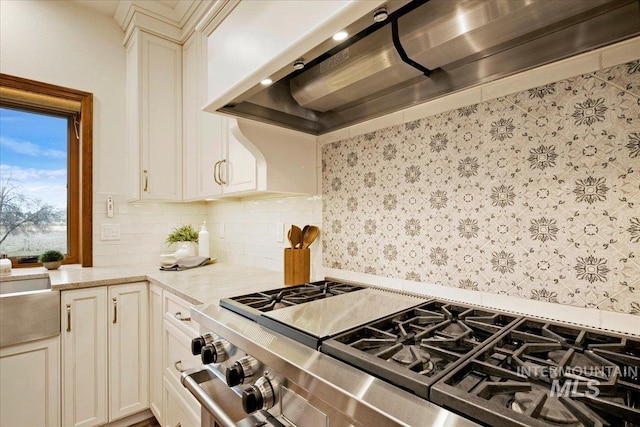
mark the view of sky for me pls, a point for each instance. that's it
(33, 154)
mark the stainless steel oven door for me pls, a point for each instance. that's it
(221, 406)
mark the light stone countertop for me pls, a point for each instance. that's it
(200, 285)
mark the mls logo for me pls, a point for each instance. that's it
(571, 388)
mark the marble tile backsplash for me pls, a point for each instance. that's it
(535, 195)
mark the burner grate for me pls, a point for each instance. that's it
(414, 348)
(252, 305)
(548, 374)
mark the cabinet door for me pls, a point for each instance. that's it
(202, 143)
(84, 357)
(210, 152)
(128, 349)
(179, 413)
(154, 117)
(155, 351)
(30, 386)
(240, 173)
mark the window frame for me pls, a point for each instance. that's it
(80, 163)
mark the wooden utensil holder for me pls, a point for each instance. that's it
(297, 266)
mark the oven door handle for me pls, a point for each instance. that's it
(191, 380)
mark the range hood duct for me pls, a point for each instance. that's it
(455, 44)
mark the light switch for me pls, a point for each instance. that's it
(221, 230)
(109, 207)
(280, 232)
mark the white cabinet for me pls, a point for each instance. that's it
(202, 136)
(155, 351)
(84, 357)
(154, 117)
(104, 330)
(179, 412)
(178, 405)
(225, 157)
(215, 163)
(128, 349)
(29, 385)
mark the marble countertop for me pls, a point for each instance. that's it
(200, 285)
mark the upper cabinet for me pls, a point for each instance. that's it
(178, 151)
(225, 157)
(154, 117)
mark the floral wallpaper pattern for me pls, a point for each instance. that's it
(535, 195)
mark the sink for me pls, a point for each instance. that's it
(17, 285)
(29, 310)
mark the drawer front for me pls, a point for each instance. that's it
(177, 411)
(177, 358)
(176, 310)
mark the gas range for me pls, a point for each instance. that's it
(370, 356)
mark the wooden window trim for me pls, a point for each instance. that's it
(84, 212)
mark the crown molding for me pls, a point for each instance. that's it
(174, 24)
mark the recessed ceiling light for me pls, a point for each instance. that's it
(340, 36)
(380, 15)
(298, 65)
(266, 82)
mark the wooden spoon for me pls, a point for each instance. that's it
(309, 235)
(295, 236)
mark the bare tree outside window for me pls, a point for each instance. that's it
(22, 215)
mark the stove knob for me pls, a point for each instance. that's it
(196, 345)
(251, 400)
(261, 395)
(201, 341)
(242, 370)
(216, 352)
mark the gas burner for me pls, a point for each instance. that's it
(413, 348)
(550, 409)
(548, 374)
(252, 305)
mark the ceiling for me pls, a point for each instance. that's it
(108, 7)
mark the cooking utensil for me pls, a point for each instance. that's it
(295, 237)
(309, 234)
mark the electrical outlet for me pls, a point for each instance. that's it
(221, 231)
(110, 231)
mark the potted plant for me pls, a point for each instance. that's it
(184, 235)
(51, 259)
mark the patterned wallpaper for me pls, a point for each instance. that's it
(535, 195)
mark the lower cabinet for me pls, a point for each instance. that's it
(105, 353)
(171, 331)
(178, 412)
(155, 352)
(30, 383)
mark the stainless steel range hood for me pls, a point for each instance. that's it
(428, 49)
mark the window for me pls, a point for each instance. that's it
(45, 171)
